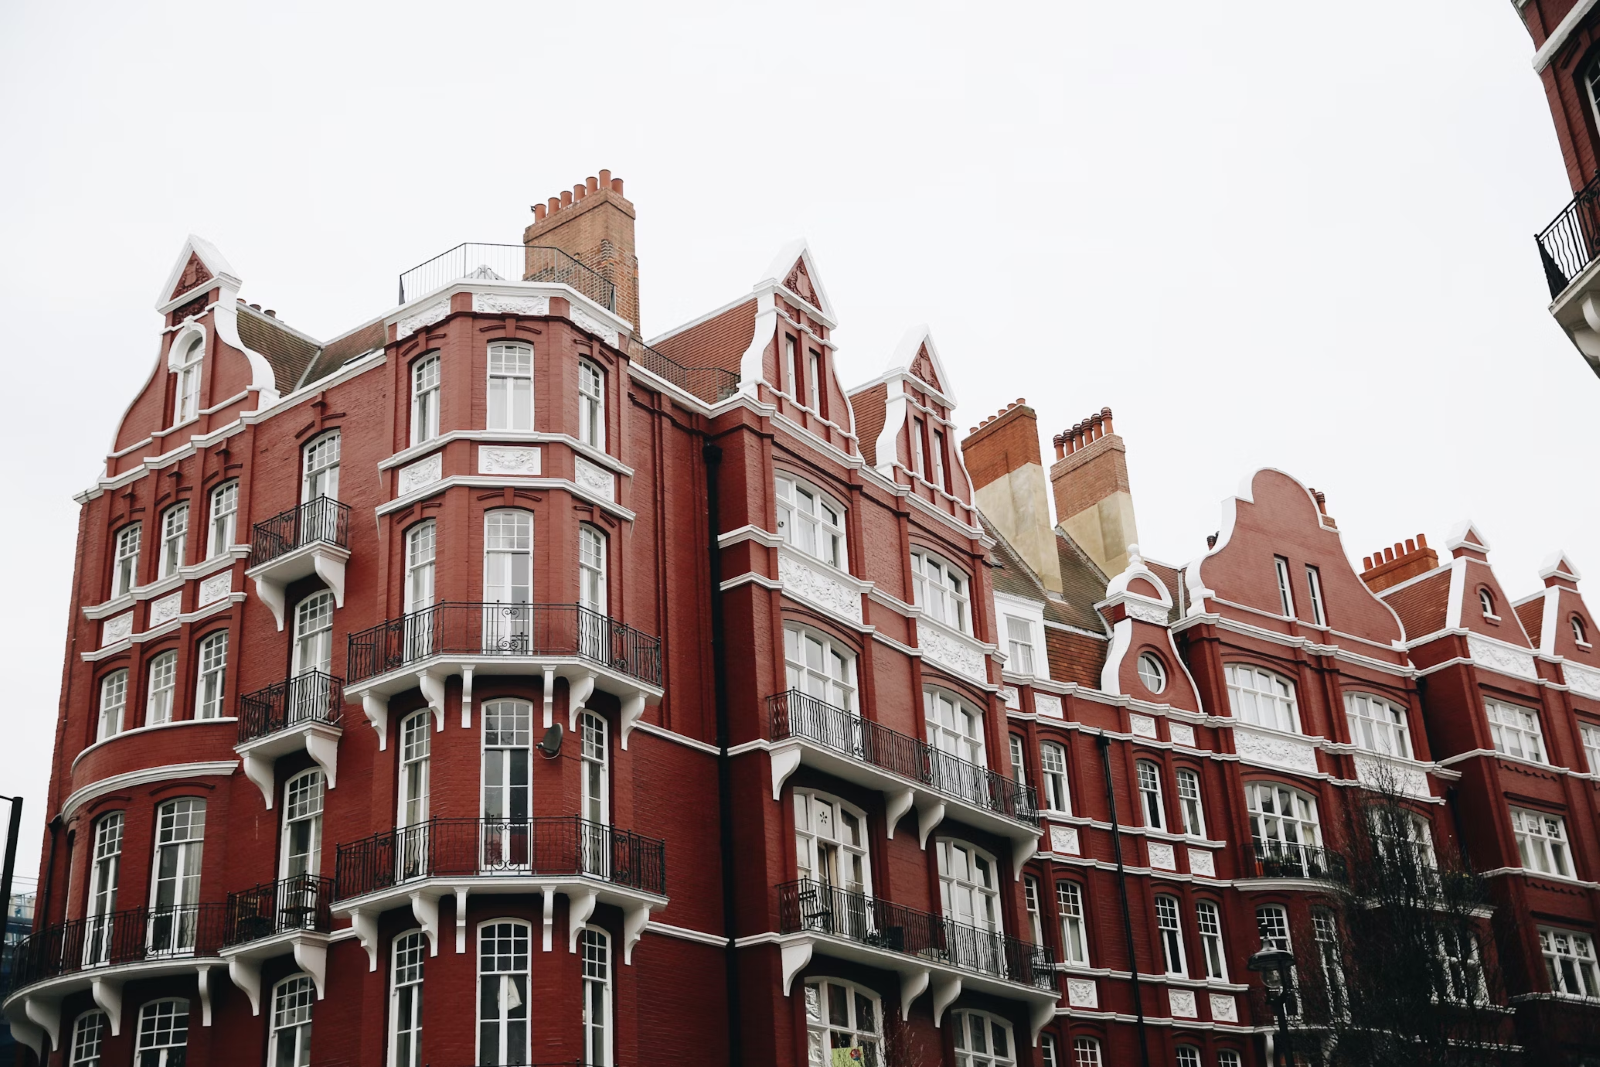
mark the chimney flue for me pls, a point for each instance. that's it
(1002, 457)
(1094, 505)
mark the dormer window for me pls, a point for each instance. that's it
(188, 402)
(1579, 633)
(1486, 602)
(810, 521)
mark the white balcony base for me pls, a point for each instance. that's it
(318, 739)
(327, 561)
(310, 949)
(35, 1011)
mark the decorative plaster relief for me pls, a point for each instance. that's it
(517, 461)
(215, 588)
(1181, 734)
(1224, 1009)
(1162, 856)
(1142, 726)
(1585, 680)
(1012, 698)
(503, 304)
(1202, 863)
(165, 610)
(1270, 750)
(1064, 840)
(595, 477)
(1502, 658)
(427, 316)
(117, 629)
(425, 471)
(1047, 704)
(1082, 993)
(1145, 610)
(1380, 773)
(1182, 1003)
(952, 651)
(583, 320)
(810, 583)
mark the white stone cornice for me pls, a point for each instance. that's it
(149, 775)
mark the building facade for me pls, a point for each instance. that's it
(486, 685)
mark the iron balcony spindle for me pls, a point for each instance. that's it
(135, 935)
(321, 520)
(1572, 241)
(499, 262)
(297, 903)
(1286, 859)
(311, 696)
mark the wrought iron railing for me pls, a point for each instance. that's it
(300, 902)
(516, 263)
(1570, 243)
(136, 935)
(309, 697)
(808, 905)
(1285, 859)
(708, 383)
(455, 848)
(797, 714)
(323, 519)
(498, 629)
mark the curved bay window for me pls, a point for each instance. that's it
(507, 580)
(507, 782)
(843, 1024)
(113, 701)
(162, 685)
(175, 896)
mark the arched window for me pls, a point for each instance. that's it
(161, 688)
(810, 520)
(187, 405)
(409, 951)
(841, 1016)
(507, 579)
(1283, 824)
(419, 623)
(1086, 1052)
(415, 744)
(1188, 1056)
(596, 798)
(507, 782)
(955, 726)
(211, 687)
(180, 839)
(1194, 815)
(591, 404)
(174, 539)
(1171, 933)
(1486, 602)
(1150, 802)
(1579, 633)
(163, 1033)
(105, 872)
(940, 589)
(1053, 762)
(1378, 725)
(596, 946)
(982, 1040)
(831, 844)
(1074, 923)
(224, 518)
(321, 470)
(1228, 1058)
(125, 566)
(290, 1042)
(503, 963)
(113, 701)
(313, 634)
(819, 667)
(592, 592)
(1262, 698)
(1208, 921)
(510, 387)
(302, 824)
(425, 399)
(88, 1031)
(970, 893)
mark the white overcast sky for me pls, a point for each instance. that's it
(1291, 234)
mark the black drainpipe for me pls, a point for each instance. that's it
(1122, 885)
(719, 660)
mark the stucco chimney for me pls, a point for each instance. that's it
(1094, 505)
(592, 223)
(1002, 456)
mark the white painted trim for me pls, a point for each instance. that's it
(472, 481)
(205, 568)
(1558, 36)
(685, 934)
(133, 779)
(682, 739)
(510, 437)
(147, 729)
(749, 532)
(165, 628)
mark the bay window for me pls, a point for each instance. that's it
(510, 387)
(1378, 725)
(1515, 731)
(1542, 841)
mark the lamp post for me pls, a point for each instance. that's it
(1282, 999)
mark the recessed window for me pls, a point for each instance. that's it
(1074, 927)
(1460, 976)
(510, 387)
(595, 944)
(187, 405)
(1262, 698)
(211, 687)
(1086, 1052)
(1019, 772)
(1273, 924)
(1542, 841)
(105, 872)
(503, 972)
(180, 839)
(1330, 958)
(1053, 761)
(290, 1043)
(1591, 745)
(1284, 826)
(159, 693)
(939, 479)
(302, 825)
(1228, 1058)
(1194, 816)
(1048, 1055)
(831, 843)
(591, 404)
(592, 582)
(125, 565)
(810, 520)
(1401, 836)
(405, 999)
(1579, 633)
(174, 537)
(313, 634)
(819, 667)
(1314, 583)
(507, 578)
(955, 726)
(940, 589)
(1030, 899)
(420, 549)
(1171, 932)
(416, 744)
(982, 1040)
(1378, 725)
(1515, 731)
(1152, 673)
(844, 1022)
(321, 469)
(1019, 634)
(969, 885)
(1285, 594)
(790, 370)
(113, 701)
(813, 397)
(163, 1035)
(88, 1032)
(507, 778)
(1188, 1056)
(919, 447)
(224, 516)
(1570, 962)
(425, 399)
(1486, 602)
(1150, 795)
(594, 804)
(1208, 921)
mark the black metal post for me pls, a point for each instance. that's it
(10, 863)
(1122, 884)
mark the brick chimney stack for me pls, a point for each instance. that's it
(593, 223)
(1002, 456)
(1094, 505)
(1391, 566)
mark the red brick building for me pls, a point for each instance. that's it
(485, 685)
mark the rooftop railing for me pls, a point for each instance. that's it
(808, 905)
(457, 848)
(300, 902)
(711, 384)
(516, 263)
(1284, 859)
(323, 519)
(309, 697)
(501, 629)
(797, 714)
(1570, 243)
(137, 935)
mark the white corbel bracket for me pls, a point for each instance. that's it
(259, 769)
(928, 816)
(107, 994)
(461, 918)
(632, 712)
(784, 763)
(432, 685)
(1022, 851)
(376, 709)
(203, 979)
(466, 696)
(895, 805)
(27, 1033)
(1043, 1012)
(796, 954)
(579, 690)
(365, 924)
(271, 594)
(311, 956)
(46, 1015)
(245, 974)
(322, 745)
(426, 910)
(945, 991)
(580, 908)
(634, 918)
(549, 893)
(913, 984)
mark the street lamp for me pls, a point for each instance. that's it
(1279, 961)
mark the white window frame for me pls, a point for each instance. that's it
(1569, 960)
(591, 404)
(937, 450)
(174, 540)
(1053, 778)
(1030, 899)
(507, 380)
(105, 876)
(593, 551)
(516, 933)
(970, 1053)
(595, 948)
(162, 1021)
(175, 885)
(211, 677)
(88, 1037)
(412, 787)
(319, 467)
(1049, 1056)
(822, 1026)
(1228, 1058)
(1152, 672)
(507, 556)
(1285, 590)
(313, 634)
(811, 520)
(161, 688)
(1486, 603)
(595, 752)
(421, 552)
(832, 842)
(1516, 731)
(1152, 804)
(917, 447)
(1413, 829)
(1191, 802)
(1288, 832)
(941, 590)
(1188, 1056)
(426, 375)
(1580, 632)
(506, 793)
(1461, 972)
(1590, 736)
(1019, 770)
(1250, 687)
(224, 518)
(1086, 1052)
(813, 400)
(1213, 949)
(292, 999)
(1169, 929)
(300, 854)
(1019, 642)
(965, 896)
(820, 666)
(790, 371)
(1542, 841)
(113, 704)
(1325, 935)
(186, 402)
(1378, 725)
(1074, 925)
(125, 564)
(1319, 614)
(408, 953)
(955, 725)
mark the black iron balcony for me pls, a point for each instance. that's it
(809, 906)
(137, 935)
(510, 630)
(492, 262)
(298, 903)
(1569, 244)
(321, 520)
(457, 848)
(1285, 859)
(305, 698)
(797, 714)
(708, 383)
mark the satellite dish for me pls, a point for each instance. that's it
(551, 744)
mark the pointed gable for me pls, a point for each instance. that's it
(795, 270)
(194, 274)
(199, 265)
